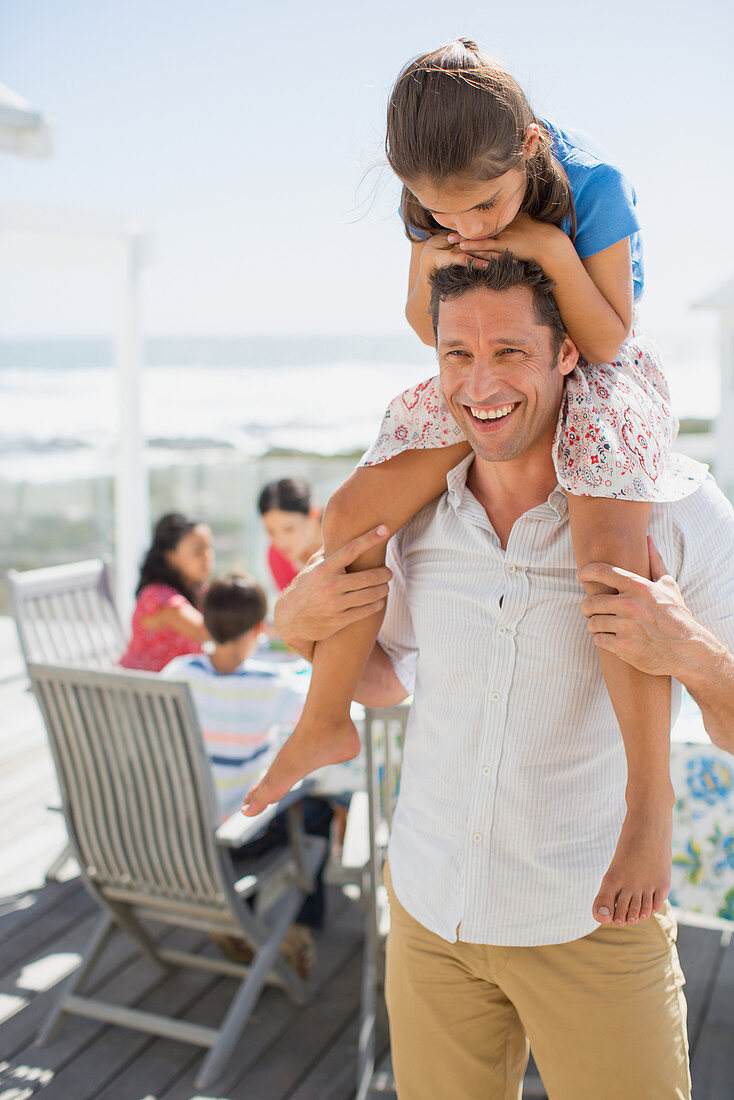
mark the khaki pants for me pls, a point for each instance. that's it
(605, 1014)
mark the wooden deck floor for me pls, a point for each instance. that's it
(287, 1052)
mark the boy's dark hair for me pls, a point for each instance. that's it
(232, 606)
(290, 494)
(503, 273)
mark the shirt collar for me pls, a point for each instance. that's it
(457, 490)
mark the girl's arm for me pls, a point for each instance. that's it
(594, 295)
(647, 624)
(183, 618)
(425, 257)
(324, 598)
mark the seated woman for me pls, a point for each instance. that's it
(293, 523)
(167, 622)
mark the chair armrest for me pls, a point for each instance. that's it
(238, 829)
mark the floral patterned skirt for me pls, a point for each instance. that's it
(614, 434)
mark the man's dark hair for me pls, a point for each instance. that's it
(503, 273)
(290, 494)
(232, 606)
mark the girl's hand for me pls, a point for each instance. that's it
(441, 251)
(525, 237)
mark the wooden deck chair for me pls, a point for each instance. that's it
(383, 738)
(66, 613)
(142, 817)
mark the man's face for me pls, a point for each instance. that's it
(499, 375)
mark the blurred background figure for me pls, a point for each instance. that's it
(246, 705)
(167, 621)
(293, 524)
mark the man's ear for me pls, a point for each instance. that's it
(568, 356)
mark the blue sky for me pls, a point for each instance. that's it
(249, 135)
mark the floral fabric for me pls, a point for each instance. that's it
(151, 650)
(614, 433)
(703, 830)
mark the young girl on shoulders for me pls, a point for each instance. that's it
(483, 175)
(167, 622)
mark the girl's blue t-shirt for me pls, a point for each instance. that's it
(605, 200)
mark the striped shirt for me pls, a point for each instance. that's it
(512, 789)
(244, 716)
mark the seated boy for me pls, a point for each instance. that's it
(242, 704)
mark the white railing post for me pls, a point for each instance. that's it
(132, 499)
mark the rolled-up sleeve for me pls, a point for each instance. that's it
(706, 576)
(396, 636)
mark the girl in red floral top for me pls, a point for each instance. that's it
(167, 622)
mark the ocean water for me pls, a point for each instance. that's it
(221, 417)
(325, 395)
(60, 411)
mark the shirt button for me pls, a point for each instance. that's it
(486, 770)
(477, 837)
(495, 697)
(511, 568)
(501, 629)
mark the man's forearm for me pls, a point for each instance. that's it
(706, 670)
(378, 685)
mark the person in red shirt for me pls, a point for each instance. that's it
(293, 523)
(167, 622)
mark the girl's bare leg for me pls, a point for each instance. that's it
(391, 494)
(638, 879)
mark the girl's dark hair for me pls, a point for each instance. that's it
(457, 112)
(167, 534)
(290, 494)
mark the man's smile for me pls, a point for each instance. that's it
(481, 415)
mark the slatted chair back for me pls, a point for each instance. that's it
(66, 614)
(383, 738)
(142, 817)
(137, 790)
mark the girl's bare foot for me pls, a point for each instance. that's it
(638, 880)
(310, 746)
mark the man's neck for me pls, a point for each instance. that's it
(506, 490)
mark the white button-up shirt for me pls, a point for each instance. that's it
(512, 789)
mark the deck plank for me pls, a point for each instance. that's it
(333, 1077)
(713, 1059)
(103, 1053)
(43, 929)
(19, 1032)
(701, 956)
(309, 1039)
(268, 1034)
(24, 908)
